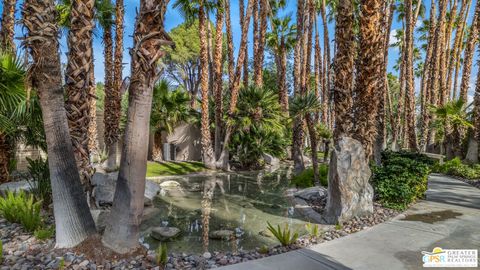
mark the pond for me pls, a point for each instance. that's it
(240, 202)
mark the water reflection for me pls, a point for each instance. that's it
(238, 202)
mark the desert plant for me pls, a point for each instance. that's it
(161, 254)
(284, 236)
(313, 230)
(38, 178)
(23, 209)
(263, 250)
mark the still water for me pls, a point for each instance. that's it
(241, 202)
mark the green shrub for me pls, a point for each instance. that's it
(44, 233)
(1, 251)
(312, 229)
(455, 167)
(284, 236)
(401, 179)
(39, 180)
(161, 254)
(263, 250)
(305, 179)
(23, 209)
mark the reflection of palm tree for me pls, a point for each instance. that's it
(208, 190)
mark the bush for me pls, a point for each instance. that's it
(455, 167)
(23, 209)
(305, 179)
(161, 257)
(39, 180)
(44, 233)
(401, 179)
(284, 236)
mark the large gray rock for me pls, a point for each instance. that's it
(349, 193)
(100, 217)
(222, 234)
(164, 233)
(105, 184)
(312, 193)
(14, 187)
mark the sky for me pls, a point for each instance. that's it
(173, 18)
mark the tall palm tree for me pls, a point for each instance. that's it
(78, 82)
(409, 78)
(218, 80)
(469, 53)
(73, 221)
(369, 74)
(228, 27)
(281, 41)
(105, 11)
(112, 105)
(259, 53)
(7, 30)
(472, 154)
(343, 66)
(245, 63)
(122, 232)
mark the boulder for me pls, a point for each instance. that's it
(164, 233)
(349, 191)
(271, 160)
(100, 217)
(105, 184)
(169, 184)
(222, 235)
(14, 187)
(312, 193)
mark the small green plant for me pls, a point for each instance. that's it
(263, 250)
(44, 233)
(456, 167)
(61, 264)
(1, 251)
(312, 229)
(284, 236)
(23, 209)
(305, 179)
(161, 254)
(38, 178)
(338, 226)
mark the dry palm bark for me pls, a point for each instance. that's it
(8, 25)
(344, 68)
(444, 97)
(245, 63)
(218, 80)
(297, 143)
(469, 53)
(328, 112)
(369, 73)
(476, 121)
(426, 80)
(73, 221)
(78, 84)
(113, 101)
(207, 150)
(110, 94)
(317, 68)
(410, 118)
(260, 44)
(222, 161)
(123, 228)
(5, 155)
(228, 26)
(434, 77)
(92, 111)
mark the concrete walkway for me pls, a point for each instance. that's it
(396, 244)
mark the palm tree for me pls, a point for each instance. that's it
(228, 26)
(169, 108)
(343, 66)
(105, 11)
(409, 78)
(245, 63)
(78, 82)
(12, 94)
(307, 106)
(451, 120)
(122, 231)
(281, 41)
(472, 154)
(73, 221)
(218, 80)
(370, 59)
(8, 24)
(469, 53)
(260, 46)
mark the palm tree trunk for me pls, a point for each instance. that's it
(78, 81)
(228, 26)
(113, 104)
(475, 137)
(326, 63)
(469, 53)
(282, 76)
(5, 152)
(410, 118)
(317, 68)
(369, 74)
(157, 146)
(245, 63)
(92, 128)
(207, 150)
(344, 67)
(218, 84)
(8, 25)
(222, 161)
(256, 38)
(123, 229)
(259, 56)
(73, 221)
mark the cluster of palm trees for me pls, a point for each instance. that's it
(349, 94)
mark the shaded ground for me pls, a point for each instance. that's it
(451, 209)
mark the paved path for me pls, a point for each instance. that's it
(396, 244)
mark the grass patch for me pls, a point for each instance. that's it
(173, 168)
(305, 179)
